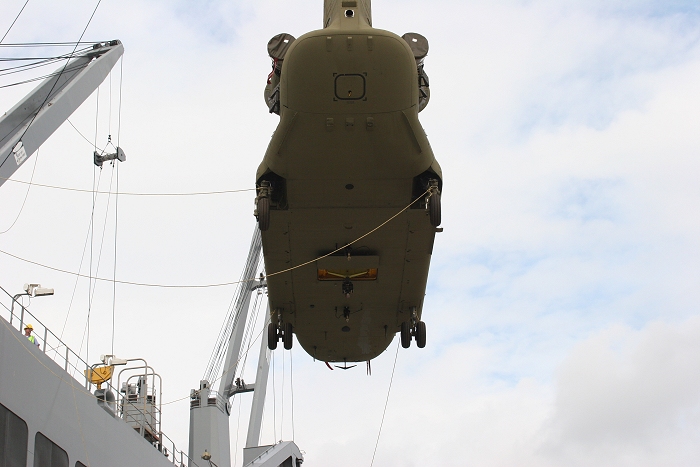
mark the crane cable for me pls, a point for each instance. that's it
(80, 190)
(274, 400)
(80, 267)
(291, 386)
(26, 195)
(282, 398)
(223, 284)
(14, 21)
(250, 327)
(386, 403)
(39, 62)
(99, 255)
(115, 166)
(92, 235)
(50, 75)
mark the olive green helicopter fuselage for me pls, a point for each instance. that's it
(348, 154)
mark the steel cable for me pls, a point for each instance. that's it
(386, 403)
(81, 190)
(26, 195)
(220, 284)
(14, 21)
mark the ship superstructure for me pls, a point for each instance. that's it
(58, 410)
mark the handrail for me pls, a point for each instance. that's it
(72, 363)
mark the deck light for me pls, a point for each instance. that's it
(30, 290)
(36, 290)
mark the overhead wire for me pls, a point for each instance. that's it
(114, 268)
(40, 61)
(109, 120)
(119, 112)
(26, 195)
(45, 44)
(80, 267)
(26, 59)
(250, 326)
(119, 109)
(92, 235)
(79, 132)
(50, 75)
(116, 196)
(99, 254)
(27, 66)
(291, 386)
(274, 400)
(220, 284)
(14, 21)
(282, 398)
(386, 403)
(126, 193)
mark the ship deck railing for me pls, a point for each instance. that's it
(17, 315)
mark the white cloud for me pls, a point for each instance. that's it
(628, 397)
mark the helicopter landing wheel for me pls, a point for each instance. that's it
(263, 211)
(420, 334)
(287, 338)
(435, 209)
(272, 336)
(405, 335)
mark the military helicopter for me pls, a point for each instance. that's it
(349, 153)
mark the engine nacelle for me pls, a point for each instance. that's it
(419, 47)
(276, 48)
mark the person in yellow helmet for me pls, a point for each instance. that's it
(28, 332)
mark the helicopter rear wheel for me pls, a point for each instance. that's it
(287, 338)
(263, 213)
(435, 209)
(420, 334)
(405, 335)
(272, 336)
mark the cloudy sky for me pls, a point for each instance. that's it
(563, 305)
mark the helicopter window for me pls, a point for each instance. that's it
(350, 86)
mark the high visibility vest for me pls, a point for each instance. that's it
(32, 340)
